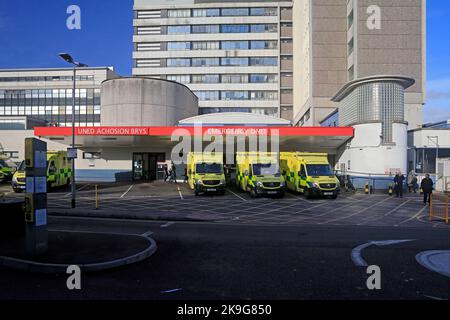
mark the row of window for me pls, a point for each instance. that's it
(263, 111)
(236, 95)
(224, 78)
(227, 62)
(45, 79)
(49, 110)
(48, 93)
(222, 45)
(224, 28)
(224, 12)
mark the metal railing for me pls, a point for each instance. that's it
(439, 206)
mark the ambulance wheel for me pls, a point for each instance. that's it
(334, 197)
(253, 193)
(308, 194)
(222, 193)
(196, 193)
(18, 190)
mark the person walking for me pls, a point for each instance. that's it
(186, 178)
(412, 182)
(173, 173)
(398, 182)
(166, 173)
(427, 188)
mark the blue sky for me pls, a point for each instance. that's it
(32, 32)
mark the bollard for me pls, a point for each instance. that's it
(366, 189)
(390, 190)
(96, 197)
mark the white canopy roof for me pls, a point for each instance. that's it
(235, 119)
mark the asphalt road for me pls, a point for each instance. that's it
(229, 261)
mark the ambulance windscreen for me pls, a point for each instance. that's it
(266, 169)
(205, 168)
(319, 170)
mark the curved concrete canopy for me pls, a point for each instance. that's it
(350, 86)
(235, 119)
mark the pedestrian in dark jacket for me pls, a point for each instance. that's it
(427, 188)
(166, 173)
(398, 183)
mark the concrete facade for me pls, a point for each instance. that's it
(146, 102)
(333, 45)
(234, 55)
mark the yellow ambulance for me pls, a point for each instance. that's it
(205, 173)
(310, 174)
(59, 172)
(259, 174)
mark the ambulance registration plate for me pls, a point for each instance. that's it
(271, 192)
(328, 193)
(211, 189)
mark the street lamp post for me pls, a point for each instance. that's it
(68, 58)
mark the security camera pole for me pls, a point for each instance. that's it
(68, 58)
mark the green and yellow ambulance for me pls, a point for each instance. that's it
(59, 172)
(310, 174)
(7, 168)
(259, 174)
(205, 173)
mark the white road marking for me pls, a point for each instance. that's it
(386, 214)
(356, 252)
(147, 234)
(179, 192)
(168, 224)
(356, 213)
(237, 195)
(128, 190)
(416, 216)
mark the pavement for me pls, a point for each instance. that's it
(176, 202)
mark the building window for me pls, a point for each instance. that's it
(263, 78)
(234, 95)
(178, 29)
(232, 12)
(264, 45)
(263, 61)
(235, 28)
(142, 63)
(205, 78)
(179, 62)
(148, 14)
(261, 28)
(241, 62)
(235, 45)
(234, 78)
(264, 95)
(351, 73)
(207, 95)
(206, 12)
(350, 20)
(173, 46)
(205, 62)
(179, 78)
(92, 155)
(208, 28)
(263, 11)
(350, 46)
(206, 45)
(182, 13)
(148, 30)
